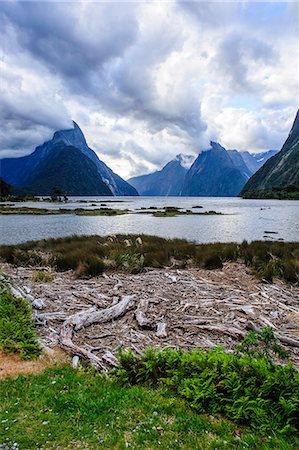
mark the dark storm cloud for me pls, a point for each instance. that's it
(72, 39)
(97, 50)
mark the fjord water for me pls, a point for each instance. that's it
(241, 219)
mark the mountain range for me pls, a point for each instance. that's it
(279, 173)
(167, 181)
(215, 172)
(66, 162)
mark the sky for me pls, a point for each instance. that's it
(148, 80)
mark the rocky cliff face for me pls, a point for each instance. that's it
(165, 182)
(20, 171)
(282, 170)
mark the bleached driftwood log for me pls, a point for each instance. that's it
(86, 318)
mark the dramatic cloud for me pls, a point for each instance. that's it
(148, 80)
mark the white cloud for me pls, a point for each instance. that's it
(147, 81)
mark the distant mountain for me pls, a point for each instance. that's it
(165, 182)
(21, 172)
(281, 172)
(255, 161)
(68, 168)
(216, 172)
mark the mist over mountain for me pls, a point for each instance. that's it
(29, 171)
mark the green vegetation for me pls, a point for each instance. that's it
(172, 211)
(41, 276)
(169, 211)
(286, 193)
(17, 334)
(250, 390)
(130, 253)
(77, 211)
(65, 408)
(101, 212)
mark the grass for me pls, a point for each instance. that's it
(17, 334)
(41, 276)
(131, 253)
(64, 408)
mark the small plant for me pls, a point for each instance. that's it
(132, 263)
(262, 344)
(41, 276)
(17, 334)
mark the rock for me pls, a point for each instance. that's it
(161, 330)
(39, 303)
(17, 293)
(247, 309)
(75, 361)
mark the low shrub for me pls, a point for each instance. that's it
(17, 334)
(132, 263)
(91, 267)
(213, 262)
(250, 390)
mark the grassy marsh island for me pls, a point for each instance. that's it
(168, 211)
(76, 211)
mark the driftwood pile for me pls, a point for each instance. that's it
(93, 318)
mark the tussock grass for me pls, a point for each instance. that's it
(132, 253)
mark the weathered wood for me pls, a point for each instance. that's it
(230, 331)
(87, 318)
(140, 314)
(161, 330)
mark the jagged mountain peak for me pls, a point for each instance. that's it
(216, 146)
(72, 136)
(19, 171)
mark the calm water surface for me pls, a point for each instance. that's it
(242, 219)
